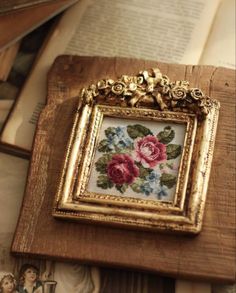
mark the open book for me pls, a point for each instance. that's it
(190, 32)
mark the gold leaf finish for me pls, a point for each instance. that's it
(165, 95)
(148, 96)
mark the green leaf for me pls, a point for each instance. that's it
(143, 172)
(168, 179)
(161, 166)
(101, 164)
(127, 149)
(173, 151)
(138, 130)
(135, 187)
(103, 146)
(170, 165)
(110, 131)
(104, 182)
(121, 188)
(119, 150)
(166, 136)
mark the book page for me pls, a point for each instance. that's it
(167, 31)
(220, 47)
(5, 106)
(12, 181)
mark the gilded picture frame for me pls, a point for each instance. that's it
(139, 155)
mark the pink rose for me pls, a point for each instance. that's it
(121, 169)
(149, 151)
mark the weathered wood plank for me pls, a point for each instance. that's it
(208, 256)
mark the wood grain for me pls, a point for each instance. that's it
(9, 5)
(208, 256)
(24, 21)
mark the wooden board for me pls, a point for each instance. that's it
(208, 256)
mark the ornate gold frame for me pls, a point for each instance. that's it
(147, 96)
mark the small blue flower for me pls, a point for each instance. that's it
(146, 188)
(151, 183)
(118, 138)
(163, 191)
(153, 177)
(120, 131)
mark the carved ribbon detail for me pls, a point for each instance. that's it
(149, 88)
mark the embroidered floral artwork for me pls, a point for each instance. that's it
(138, 160)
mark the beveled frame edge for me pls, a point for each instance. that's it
(203, 168)
(191, 223)
(79, 133)
(99, 112)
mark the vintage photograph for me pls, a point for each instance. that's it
(39, 276)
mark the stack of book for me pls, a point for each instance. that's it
(17, 54)
(186, 32)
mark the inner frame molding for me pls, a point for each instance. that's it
(148, 98)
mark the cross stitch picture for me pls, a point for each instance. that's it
(137, 159)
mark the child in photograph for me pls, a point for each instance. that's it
(8, 284)
(29, 279)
